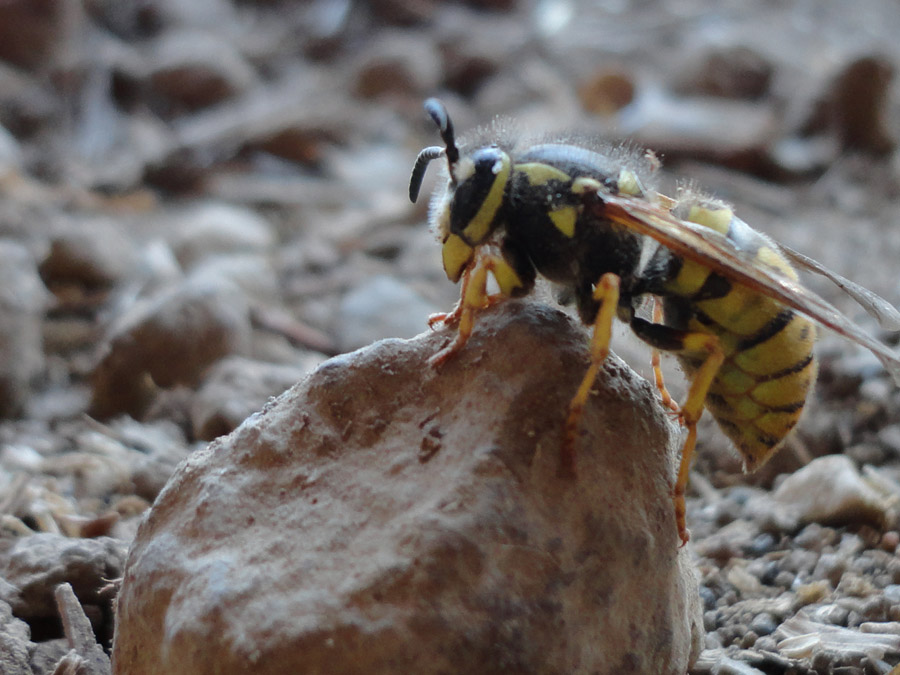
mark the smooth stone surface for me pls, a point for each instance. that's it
(384, 517)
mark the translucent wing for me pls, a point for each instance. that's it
(711, 249)
(887, 315)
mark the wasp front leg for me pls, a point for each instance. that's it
(452, 318)
(474, 298)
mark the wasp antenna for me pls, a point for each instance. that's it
(438, 113)
(418, 172)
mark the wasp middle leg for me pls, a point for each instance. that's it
(607, 294)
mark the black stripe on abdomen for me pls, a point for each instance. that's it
(777, 324)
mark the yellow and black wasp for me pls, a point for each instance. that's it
(727, 302)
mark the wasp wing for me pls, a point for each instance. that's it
(884, 312)
(711, 249)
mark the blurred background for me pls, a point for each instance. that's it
(200, 201)
(152, 150)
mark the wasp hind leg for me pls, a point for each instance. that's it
(690, 414)
(671, 339)
(607, 294)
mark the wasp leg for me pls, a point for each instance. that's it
(690, 415)
(666, 397)
(607, 294)
(673, 340)
(473, 297)
(451, 318)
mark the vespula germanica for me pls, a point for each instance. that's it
(727, 301)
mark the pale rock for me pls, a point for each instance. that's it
(380, 307)
(215, 228)
(800, 637)
(193, 69)
(168, 340)
(235, 388)
(397, 64)
(10, 153)
(23, 298)
(15, 642)
(253, 273)
(386, 517)
(33, 566)
(829, 490)
(89, 253)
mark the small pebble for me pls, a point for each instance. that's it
(889, 438)
(783, 579)
(730, 72)
(830, 490)
(762, 544)
(890, 540)
(209, 229)
(867, 453)
(763, 624)
(708, 597)
(748, 639)
(729, 666)
(812, 592)
(378, 308)
(22, 300)
(815, 537)
(831, 566)
(831, 614)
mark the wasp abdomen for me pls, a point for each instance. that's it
(758, 394)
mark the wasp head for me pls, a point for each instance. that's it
(469, 208)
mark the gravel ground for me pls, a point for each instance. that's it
(202, 201)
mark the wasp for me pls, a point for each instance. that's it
(726, 299)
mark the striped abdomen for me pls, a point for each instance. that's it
(759, 392)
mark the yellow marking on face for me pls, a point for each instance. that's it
(715, 218)
(456, 254)
(564, 220)
(479, 227)
(541, 174)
